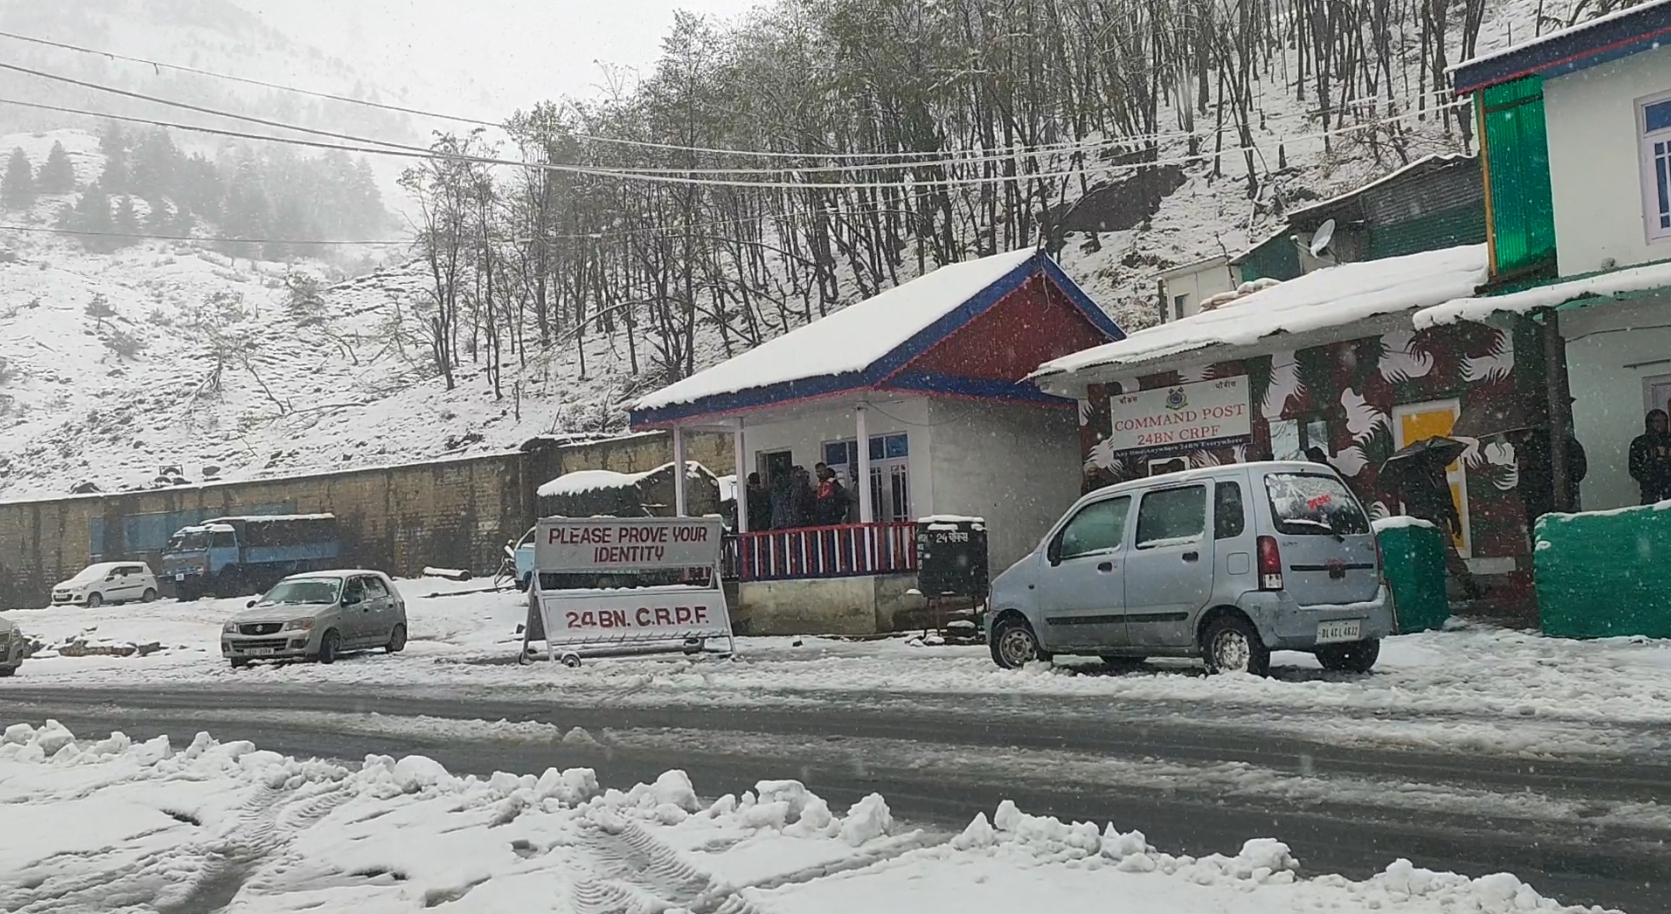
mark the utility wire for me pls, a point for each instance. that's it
(677, 175)
(904, 158)
(163, 65)
(231, 115)
(45, 230)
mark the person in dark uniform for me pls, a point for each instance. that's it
(1650, 458)
(1425, 493)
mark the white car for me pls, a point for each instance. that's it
(12, 647)
(108, 582)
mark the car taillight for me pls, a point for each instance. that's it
(1270, 564)
(1380, 562)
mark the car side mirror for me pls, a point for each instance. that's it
(349, 599)
(250, 605)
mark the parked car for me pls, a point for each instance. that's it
(12, 647)
(1224, 563)
(522, 556)
(318, 615)
(108, 582)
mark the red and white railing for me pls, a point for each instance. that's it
(845, 550)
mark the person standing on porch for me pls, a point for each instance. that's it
(1650, 458)
(806, 498)
(759, 504)
(1425, 493)
(831, 500)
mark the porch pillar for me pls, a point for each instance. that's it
(1560, 410)
(679, 506)
(866, 514)
(740, 490)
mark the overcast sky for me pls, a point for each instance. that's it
(504, 54)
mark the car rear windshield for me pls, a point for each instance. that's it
(1314, 504)
(312, 590)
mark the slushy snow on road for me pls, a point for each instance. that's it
(112, 823)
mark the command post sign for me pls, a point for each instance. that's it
(1166, 419)
(629, 584)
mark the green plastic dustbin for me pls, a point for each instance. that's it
(1414, 554)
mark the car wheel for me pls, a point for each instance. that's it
(1233, 645)
(150, 595)
(1357, 657)
(94, 601)
(239, 664)
(329, 644)
(7, 671)
(522, 583)
(1123, 664)
(397, 640)
(1014, 645)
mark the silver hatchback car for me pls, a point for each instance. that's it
(1224, 563)
(318, 615)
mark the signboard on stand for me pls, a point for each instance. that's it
(1182, 417)
(605, 585)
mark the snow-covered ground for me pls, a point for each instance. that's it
(1473, 688)
(113, 823)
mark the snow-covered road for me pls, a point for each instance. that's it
(114, 823)
(1478, 688)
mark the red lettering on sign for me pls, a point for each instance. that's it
(663, 617)
(643, 615)
(681, 615)
(701, 615)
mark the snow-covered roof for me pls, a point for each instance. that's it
(1435, 160)
(1601, 285)
(1333, 297)
(582, 481)
(849, 340)
(1619, 33)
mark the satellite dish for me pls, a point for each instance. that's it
(1320, 239)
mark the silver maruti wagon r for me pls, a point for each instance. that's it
(1225, 563)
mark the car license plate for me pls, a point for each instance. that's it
(261, 652)
(180, 576)
(1339, 630)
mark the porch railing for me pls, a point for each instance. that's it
(846, 550)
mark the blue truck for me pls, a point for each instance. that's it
(235, 556)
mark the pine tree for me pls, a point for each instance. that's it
(57, 175)
(127, 218)
(92, 214)
(17, 190)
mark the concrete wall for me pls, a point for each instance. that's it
(1608, 398)
(1212, 277)
(1017, 466)
(452, 513)
(834, 606)
(1595, 168)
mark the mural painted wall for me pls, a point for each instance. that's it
(1350, 399)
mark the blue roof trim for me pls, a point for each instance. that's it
(1083, 302)
(981, 388)
(900, 356)
(1578, 48)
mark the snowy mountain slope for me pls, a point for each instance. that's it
(346, 394)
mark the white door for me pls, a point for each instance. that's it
(1421, 421)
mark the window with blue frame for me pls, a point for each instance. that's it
(1656, 161)
(890, 493)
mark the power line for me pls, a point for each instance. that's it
(230, 115)
(905, 158)
(246, 80)
(678, 179)
(45, 230)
